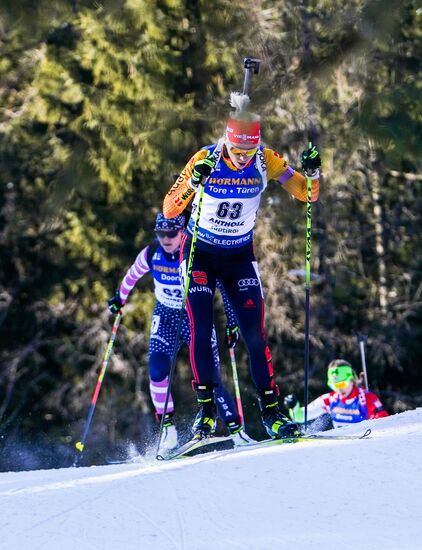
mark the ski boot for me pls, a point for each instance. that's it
(238, 434)
(205, 420)
(276, 424)
(169, 436)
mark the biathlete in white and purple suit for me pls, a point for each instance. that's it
(161, 257)
(234, 172)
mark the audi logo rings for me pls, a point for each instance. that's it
(248, 282)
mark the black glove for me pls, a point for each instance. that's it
(201, 171)
(290, 401)
(310, 160)
(232, 336)
(115, 303)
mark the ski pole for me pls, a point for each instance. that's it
(362, 339)
(307, 286)
(312, 137)
(249, 65)
(182, 309)
(236, 387)
(80, 445)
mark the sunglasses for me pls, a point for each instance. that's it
(341, 385)
(246, 152)
(169, 234)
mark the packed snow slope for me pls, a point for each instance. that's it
(327, 495)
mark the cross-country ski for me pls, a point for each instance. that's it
(211, 444)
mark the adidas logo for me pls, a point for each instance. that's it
(249, 304)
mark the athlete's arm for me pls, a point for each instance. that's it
(292, 181)
(316, 408)
(374, 406)
(134, 273)
(181, 193)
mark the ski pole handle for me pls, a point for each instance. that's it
(249, 65)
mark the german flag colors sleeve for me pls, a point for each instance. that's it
(291, 180)
(181, 193)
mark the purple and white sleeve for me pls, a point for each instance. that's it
(133, 274)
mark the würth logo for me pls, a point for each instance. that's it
(200, 277)
(249, 304)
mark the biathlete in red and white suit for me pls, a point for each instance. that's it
(235, 171)
(161, 257)
(346, 404)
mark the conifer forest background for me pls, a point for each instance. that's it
(101, 102)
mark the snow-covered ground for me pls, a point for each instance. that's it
(341, 495)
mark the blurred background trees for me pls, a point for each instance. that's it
(102, 103)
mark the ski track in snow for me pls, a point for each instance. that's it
(338, 495)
